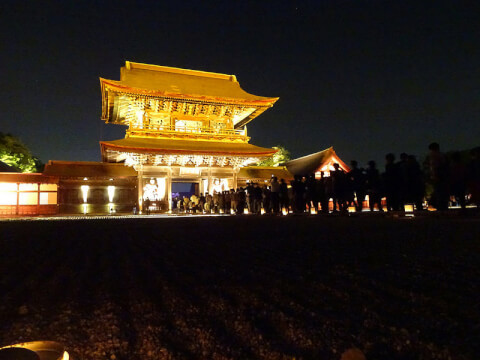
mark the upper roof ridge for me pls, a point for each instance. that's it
(130, 65)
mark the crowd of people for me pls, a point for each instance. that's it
(439, 182)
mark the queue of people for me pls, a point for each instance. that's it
(446, 180)
(220, 202)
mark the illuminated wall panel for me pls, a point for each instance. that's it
(8, 197)
(48, 187)
(48, 198)
(28, 198)
(28, 187)
(8, 187)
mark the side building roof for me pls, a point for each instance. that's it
(264, 173)
(89, 169)
(27, 178)
(309, 164)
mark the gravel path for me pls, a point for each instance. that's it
(244, 287)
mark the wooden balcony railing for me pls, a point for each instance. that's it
(187, 132)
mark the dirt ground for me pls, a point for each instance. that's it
(244, 287)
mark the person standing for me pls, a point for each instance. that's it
(473, 176)
(233, 201)
(391, 178)
(357, 185)
(373, 185)
(283, 194)
(257, 198)
(274, 194)
(438, 176)
(339, 181)
(241, 201)
(147, 204)
(416, 184)
(228, 202)
(458, 179)
(249, 194)
(299, 194)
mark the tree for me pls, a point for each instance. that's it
(14, 153)
(280, 157)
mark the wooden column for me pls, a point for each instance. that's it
(235, 179)
(168, 185)
(38, 198)
(209, 181)
(18, 199)
(140, 188)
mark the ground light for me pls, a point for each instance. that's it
(43, 350)
(408, 210)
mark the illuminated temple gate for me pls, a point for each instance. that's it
(183, 126)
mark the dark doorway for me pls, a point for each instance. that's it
(182, 189)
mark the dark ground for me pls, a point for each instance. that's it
(244, 287)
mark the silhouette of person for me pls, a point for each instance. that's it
(274, 194)
(415, 185)
(147, 205)
(321, 192)
(473, 176)
(391, 182)
(402, 168)
(438, 176)
(283, 195)
(339, 182)
(458, 179)
(374, 186)
(356, 180)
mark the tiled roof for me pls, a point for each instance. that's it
(175, 146)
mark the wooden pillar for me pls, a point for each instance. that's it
(18, 199)
(235, 179)
(168, 185)
(140, 188)
(38, 198)
(209, 181)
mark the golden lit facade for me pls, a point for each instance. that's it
(183, 126)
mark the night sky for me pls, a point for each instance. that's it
(367, 77)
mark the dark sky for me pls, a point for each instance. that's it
(368, 77)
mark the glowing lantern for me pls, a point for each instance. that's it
(284, 211)
(313, 211)
(262, 211)
(352, 209)
(245, 211)
(409, 210)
